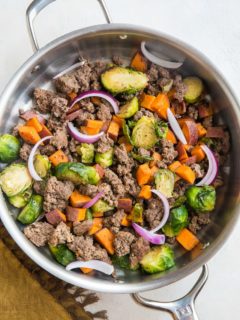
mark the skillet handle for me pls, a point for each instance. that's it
(182, 308)
(38, 5)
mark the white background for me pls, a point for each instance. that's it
(213, 27)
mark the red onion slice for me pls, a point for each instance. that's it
(157, 60)
(212, 167)
(175, 126)
(92, 264)
(90, 203)
(165, 207)
(149, 235)
(74, 66)
(97, 93)
(81, 137)
(31, 168)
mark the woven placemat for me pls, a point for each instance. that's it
(21, 277)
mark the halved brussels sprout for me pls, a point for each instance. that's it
(123, 80)
(89, 215)
(77, 173)
(42, 165)
(101, 206)
(62, 254)
(201, 199)
(131, 123)
(129, 109)
(126, 132)
(20, 200)
(179, 201)
(9, 148)
(144, 134)
(141, 158)
(177, 220)
(123, 262)
(194, 89)
(164, 181)
(161, 129)
(105, 159)
(86, 151)
(32, 210)
(137, 213)
(159, 259)
(15, 179)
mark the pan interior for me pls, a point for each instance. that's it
(101, 44)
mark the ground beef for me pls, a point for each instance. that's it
(25, 151)
(59, 107)
(86, 250)
(104, 111)
(54, 123)
(88, 189)
(79, 228)
(82, 76)
(39, 187)
(226, 143)
(171, 240)
(192, 112)
(143, 152)
(43, 99)
(47, 149)
(67, 84)
(142, 112)
(179, 88)
(207, 122)
(117, 60)
(122, 156)
(179, 107)
(122, 243)
(56, 194)
(83, 116)
(98, 67)
(154, 213)
(153, 73)
(108, 194)
(152, 89)
(39, 233)
(87, 105)
(161, 165)
(15, 130)
(199, 172)
(116, 183)
(198, 221)
(138, 250)
(60, 139)
(130, 185)
(179, 188)
(164, 73)
(61, 235)
(167, 151)
(104, 144)
(113, 222)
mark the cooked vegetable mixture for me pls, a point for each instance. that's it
(117, 166)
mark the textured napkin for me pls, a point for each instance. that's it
(28, 292)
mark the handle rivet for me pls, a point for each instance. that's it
(36, 68)
(123, 37)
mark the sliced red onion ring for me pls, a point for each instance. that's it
(149, 235)
(100, 94)
(165, 207)
(81, 137)
(212, 167)
(92, 264)
(94, 200)
(157, 60)
(31, 168)
(74, 66)
(175, 126)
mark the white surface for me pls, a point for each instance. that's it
(212, 27)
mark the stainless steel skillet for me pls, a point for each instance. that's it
(102, 41)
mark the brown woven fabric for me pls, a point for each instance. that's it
(28, 292)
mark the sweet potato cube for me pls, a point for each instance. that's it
(125, 221)
(125, 204)
(99, 170)
(75, 214)
(96, 226)
(34, 122)
(105, 237)
(44, 132)
(113, 130)
(186, 173)
(78, 200)
(55, 216)
(58, 157)
(139, 63)
(145, 192)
